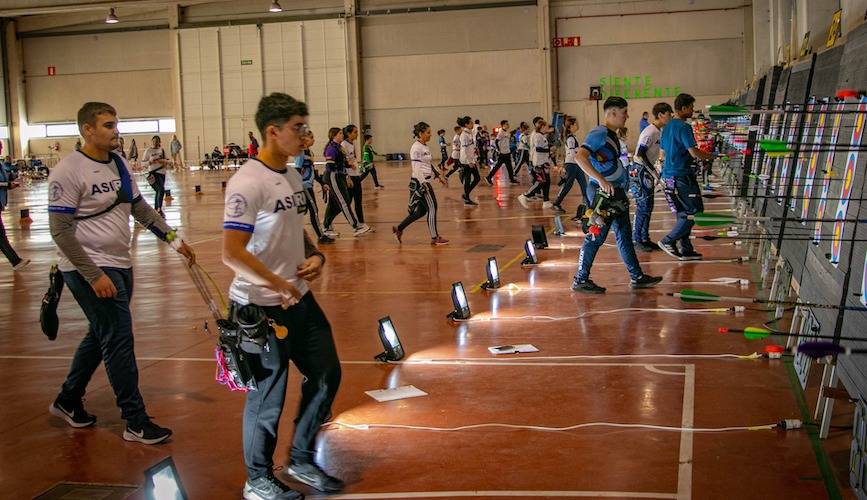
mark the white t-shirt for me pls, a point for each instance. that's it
(272, 206)
(649, 138)
(624, 154)
(468, 148)
(571, 149)
(81, 186)
(503, 142)
(538, 140)
(456, 147)
(151, 155)
(523, 142)
(420, 156)
(351, 160)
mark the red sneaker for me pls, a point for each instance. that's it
(439, 240)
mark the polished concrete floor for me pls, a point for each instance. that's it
(586, 370)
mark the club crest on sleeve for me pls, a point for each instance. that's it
(236, 205)
(55, 191)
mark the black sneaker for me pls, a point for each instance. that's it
(646, 281)
(269, 488)
(557, 208)
(72, 412)
(643, 246)
(587, 287)
(147, 433)
(669, 249)
(651, 245)
(311, 475)
(325, 240)
(690, 256)
(469, 203)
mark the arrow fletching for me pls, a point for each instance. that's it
(817, 350)
(689, 295)
(711, 219)
(723, 110)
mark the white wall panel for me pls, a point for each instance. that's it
(131, 71)
(225, 72)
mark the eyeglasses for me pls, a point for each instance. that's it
(301, 128)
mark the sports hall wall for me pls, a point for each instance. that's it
(437, 66)
(654, 51)
(206, 64)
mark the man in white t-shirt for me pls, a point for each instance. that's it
(90, 200)
(643, 176)
(273, 258)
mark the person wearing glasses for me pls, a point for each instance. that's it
(273, 258)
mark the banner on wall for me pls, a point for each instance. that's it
(635, 87)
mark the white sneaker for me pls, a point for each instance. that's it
(361, 229)
(548, 204)
(331, 233)
(524, 201)
(21, 265)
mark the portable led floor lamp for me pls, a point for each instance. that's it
(493, 272)
(390, 342)
(459, 300)
(162, 482)
(530, 250)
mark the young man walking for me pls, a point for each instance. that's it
(599, 158)
(90, 199)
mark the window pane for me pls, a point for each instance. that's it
(138, 126)
(36, 131)
(4, 132)
(62, 130)
(167, 126)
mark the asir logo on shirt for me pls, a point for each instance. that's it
(105, 187)
(55, 191)
(298, 201)
(236, 205)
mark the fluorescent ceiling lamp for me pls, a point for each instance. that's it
(275, 7)
(112, 17)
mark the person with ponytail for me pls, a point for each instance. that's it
(338, 185)
(540, 154)
(469, 159)
(573, 171)
(422, 200)
(350, 135)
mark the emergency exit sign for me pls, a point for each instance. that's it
(246, 62)
(566, 41)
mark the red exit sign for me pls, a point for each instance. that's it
(566, 41)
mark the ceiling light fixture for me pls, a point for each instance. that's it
(112, 17)
(275, 7)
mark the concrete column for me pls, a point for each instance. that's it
(19, 139)
(763, 54)
(546, 74)
(177, 89)
(353, 63)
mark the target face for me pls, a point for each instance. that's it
(829, 164)
(846, 190)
